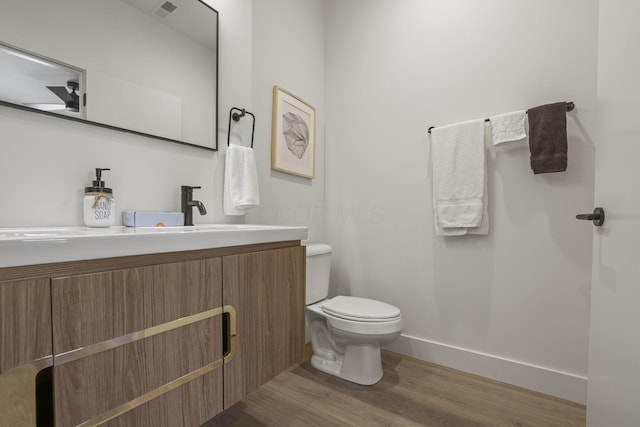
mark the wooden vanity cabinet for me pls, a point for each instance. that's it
(121, 345)
(267, 290)
(25, 347)
(155, 340)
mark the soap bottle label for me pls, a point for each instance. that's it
(98, 210)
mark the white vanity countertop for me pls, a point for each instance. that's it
(38, 245)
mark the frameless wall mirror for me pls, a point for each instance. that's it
(144, 66)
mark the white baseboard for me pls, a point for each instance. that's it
(564, 385)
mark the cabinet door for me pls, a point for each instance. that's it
(25, 348)
(266, 289)
(139, 346)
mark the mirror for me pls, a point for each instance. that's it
(147, 67)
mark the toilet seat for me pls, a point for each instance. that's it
(360, 309)
(364, 328)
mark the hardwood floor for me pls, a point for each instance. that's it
(411, 393)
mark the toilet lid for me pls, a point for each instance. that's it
(360, 309)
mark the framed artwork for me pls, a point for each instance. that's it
(293, 134)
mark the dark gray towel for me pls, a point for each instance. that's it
(548, 137)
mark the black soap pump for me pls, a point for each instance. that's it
(99, 207)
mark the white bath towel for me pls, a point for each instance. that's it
(508, 127)
(459, 177)
(240, 181)
(483, 229)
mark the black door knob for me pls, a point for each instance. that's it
(597, 217)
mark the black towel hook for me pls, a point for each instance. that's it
(236, 118)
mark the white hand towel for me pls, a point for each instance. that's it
(459, 181)
(240, 181)
(483, 229)
(508, 127)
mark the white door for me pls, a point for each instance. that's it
(614, 347)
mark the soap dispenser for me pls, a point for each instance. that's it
(99, 207)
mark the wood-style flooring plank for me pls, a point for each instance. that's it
(411, 393)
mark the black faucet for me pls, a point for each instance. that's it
(188, 203)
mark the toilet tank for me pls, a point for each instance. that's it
(318, 269)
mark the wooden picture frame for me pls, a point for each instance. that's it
(293, 134)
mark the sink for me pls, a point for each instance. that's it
(31, 233)
(40, 245)
(221, 227)
(39, 233)
(201, 227)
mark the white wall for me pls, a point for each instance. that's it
(513, 305)
(45, 163)
(288, 51)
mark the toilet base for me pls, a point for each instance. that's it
(360, 364)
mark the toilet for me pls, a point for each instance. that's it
(346, 332)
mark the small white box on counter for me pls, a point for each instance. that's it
(153, 219)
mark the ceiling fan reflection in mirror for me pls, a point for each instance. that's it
(70, 99)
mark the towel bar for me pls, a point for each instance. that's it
(570, 107)
(236, 118)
